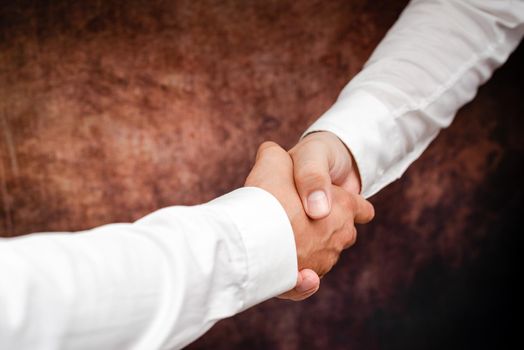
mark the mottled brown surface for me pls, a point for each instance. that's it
(109, 111)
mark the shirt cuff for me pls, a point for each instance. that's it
(367, 128)
(268, 239)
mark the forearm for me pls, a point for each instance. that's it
(430, 63)
(158, 283)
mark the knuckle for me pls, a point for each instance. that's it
(267, 144)
(341, 244)
(329, 260)
(334, 260)
(264, 146)
(350, 237)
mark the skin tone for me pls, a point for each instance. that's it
(320, 159)
(319, 241)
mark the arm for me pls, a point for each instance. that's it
(430, 63)
(162, 281)
(157, 283)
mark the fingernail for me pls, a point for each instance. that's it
(317, 203)
(306, 285)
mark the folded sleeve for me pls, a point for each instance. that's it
(160, 282)
(430, 63)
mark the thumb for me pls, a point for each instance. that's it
(312, 178)
(308, 284)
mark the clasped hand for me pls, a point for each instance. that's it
(317, 184)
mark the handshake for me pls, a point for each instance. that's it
(317, 184)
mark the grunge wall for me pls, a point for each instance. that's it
(110, 110)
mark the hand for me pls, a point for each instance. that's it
(319, 160)
(318, 242)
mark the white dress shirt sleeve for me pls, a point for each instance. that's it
(158, 283)
(430, 63)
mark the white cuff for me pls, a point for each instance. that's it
(367, 128)
(268, 239)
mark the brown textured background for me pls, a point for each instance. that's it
(109, 110)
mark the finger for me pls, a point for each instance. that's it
(308, 284)
(350, 237)
(312, 178)
(343, 209)
(364, 211)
